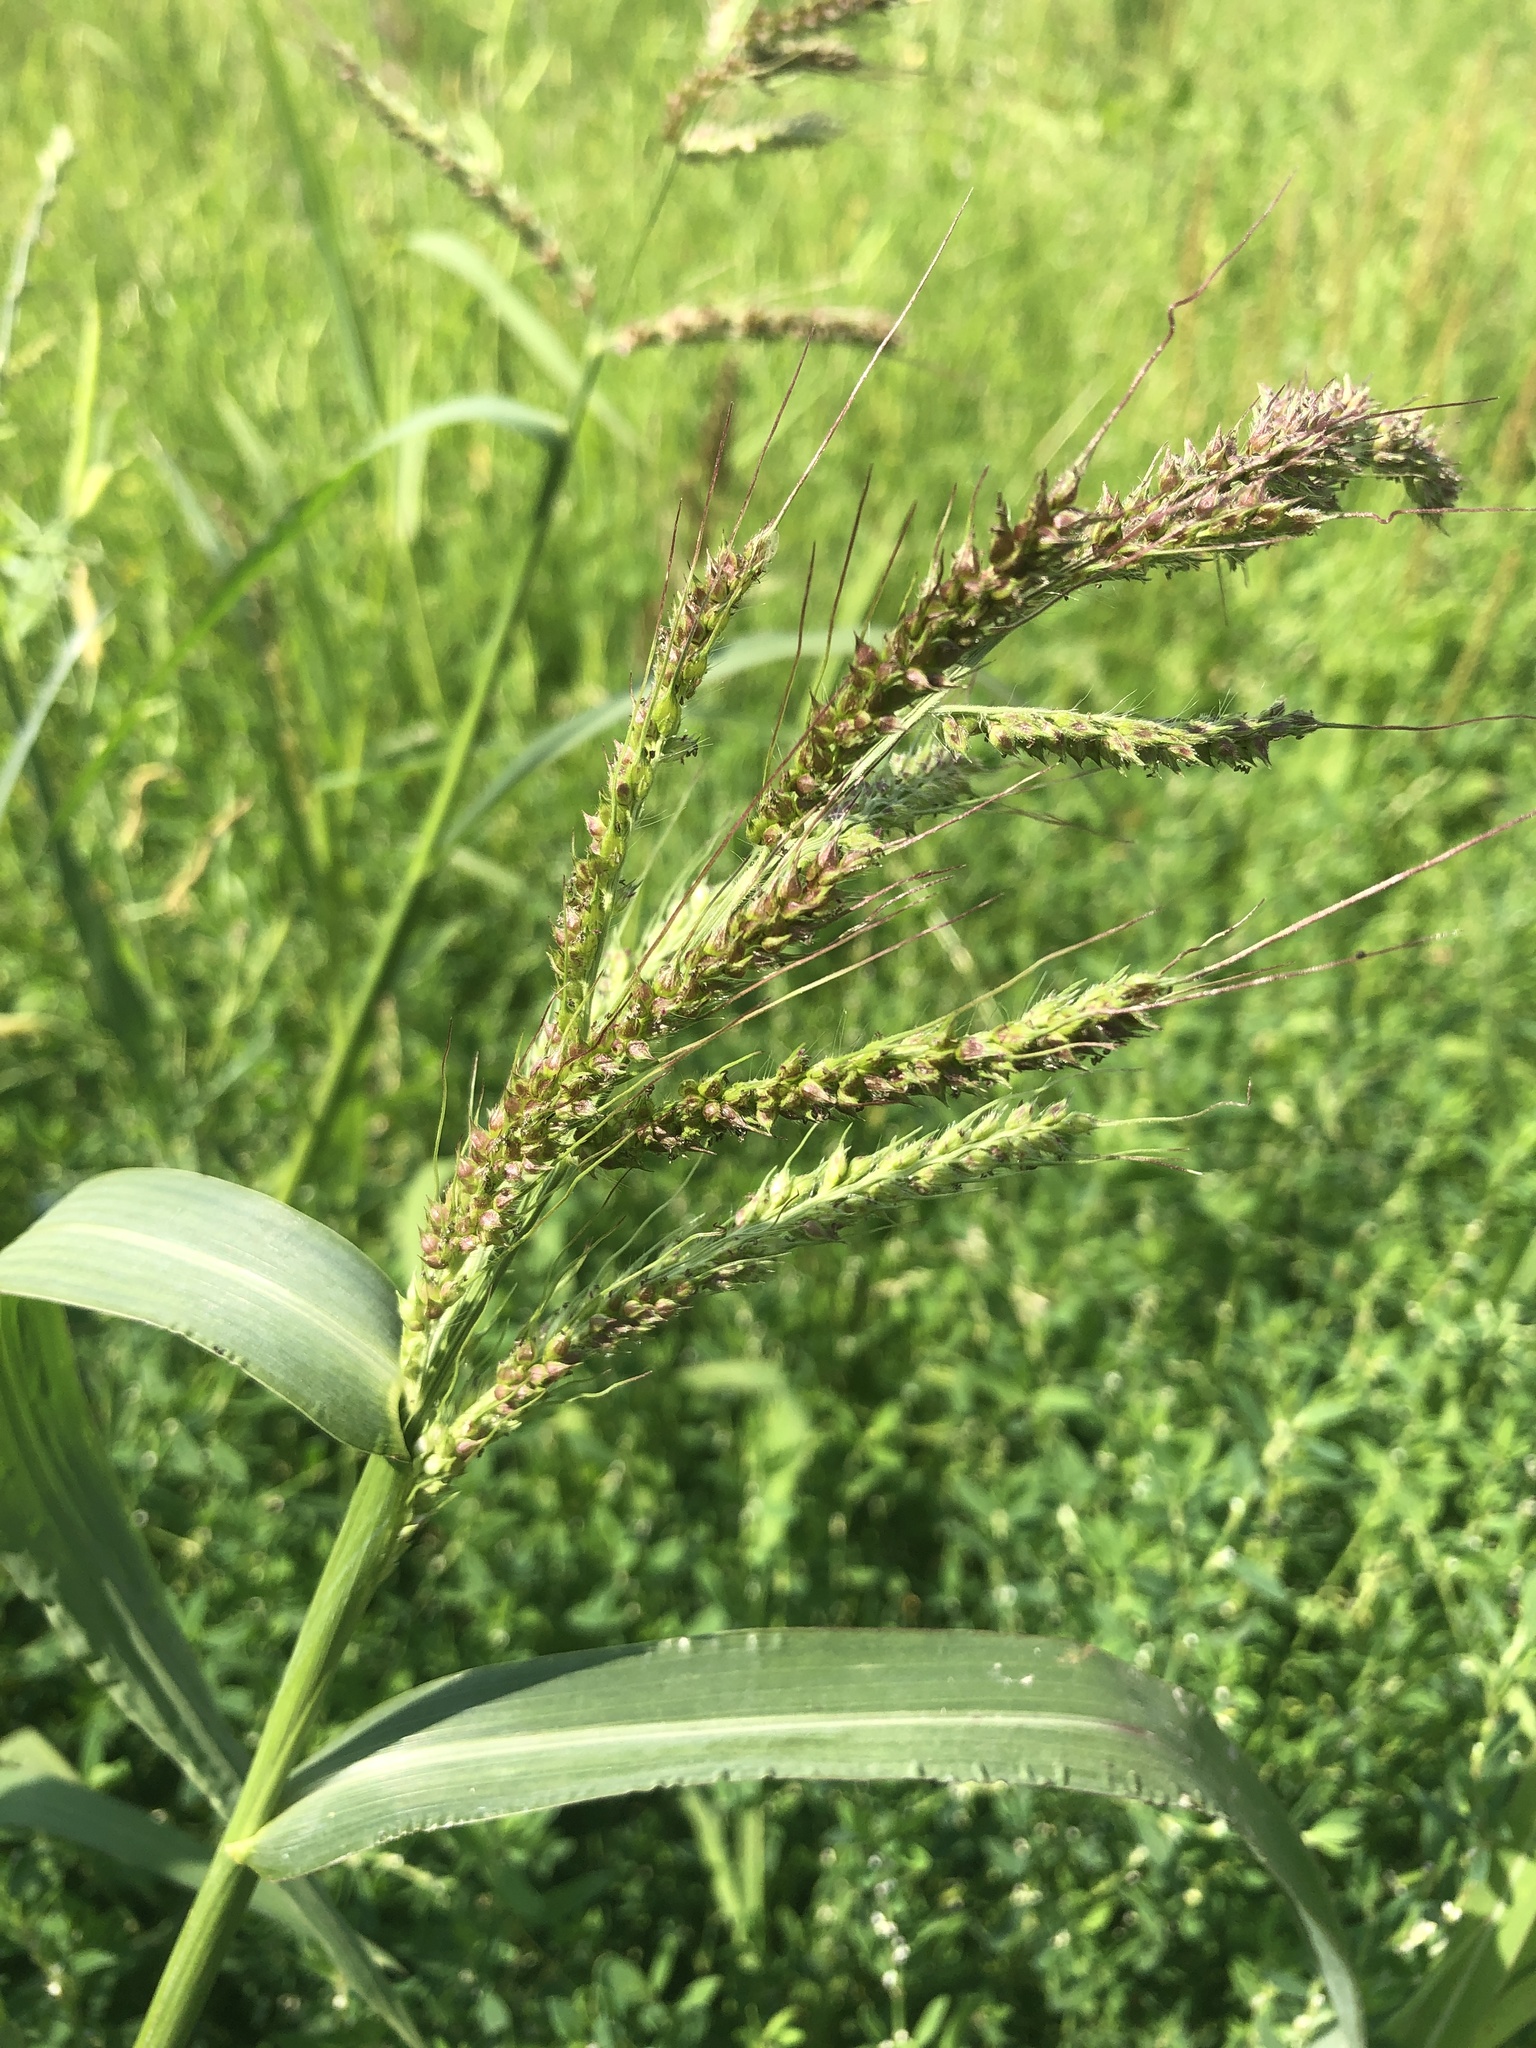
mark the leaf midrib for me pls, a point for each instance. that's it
(448, 1752)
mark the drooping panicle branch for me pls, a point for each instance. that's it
(785, 1211)
(1106, 741)
(1282, 479)
(855, 326)
(476, 180)
(1070, 1028)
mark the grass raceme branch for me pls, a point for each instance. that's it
(856, 326)
(1104, 741)
(772, 44)
(1075, 1028)
(1281, 479)
(785, 1211)
(476, 180)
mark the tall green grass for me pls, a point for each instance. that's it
(1263, 1429)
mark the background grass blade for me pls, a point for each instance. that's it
(287, 531)
(762, 650)
(1512, 2012)
(47, 695)
(68, 1543)
(751, 651)
(66, 1540)
(522, 320)
(290, 1302)
(119, 994)
(554, 741)
(792, 1703)
(352, 1028)
(1473, 1990)
(41, 1794)
(296, 520)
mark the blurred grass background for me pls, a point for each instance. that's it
(1266, 1429)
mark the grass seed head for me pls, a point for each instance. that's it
(771, 44)
(785, 1212)
(855, 326)
(476, 180)
(679, 662)
(852, 789)
(707, 143)
(1072, 1028)
(1280, 480)
(1103, 741)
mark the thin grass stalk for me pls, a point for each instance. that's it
(363, 1550)
(57, 152)
(347, 1040)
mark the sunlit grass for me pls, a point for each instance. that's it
(1261, 1430)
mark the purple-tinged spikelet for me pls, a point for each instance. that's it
(1224, 502)
(1075, 1028)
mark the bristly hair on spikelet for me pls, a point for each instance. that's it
(888, 756)
(1281, 479)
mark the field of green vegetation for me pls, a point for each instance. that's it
(1258, 1416)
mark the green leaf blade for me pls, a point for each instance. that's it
(521, 318)
(795, 1703)
(47, 695)
(66, 1539)
(41, 1803)
(1482, 1968)
(300, 1309)
(319, 197)
(489, 408)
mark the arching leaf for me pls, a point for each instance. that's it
(243, 1276)
(522, 320)
(791, 1703)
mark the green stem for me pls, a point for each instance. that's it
(363, 1549)
(347, 1040)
